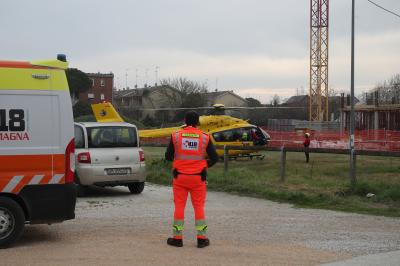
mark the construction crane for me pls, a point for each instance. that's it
(319, 44)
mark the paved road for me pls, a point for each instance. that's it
(114, 227)
(382, 259)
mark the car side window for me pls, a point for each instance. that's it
(79, 137)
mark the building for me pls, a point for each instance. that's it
(227, 98)
(100, 90)
(380, 111)
(136, 101)
(133, 101)
(302, 101)
(370, 116)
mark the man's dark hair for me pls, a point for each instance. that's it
(192, 118)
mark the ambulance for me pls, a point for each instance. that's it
(36, 146)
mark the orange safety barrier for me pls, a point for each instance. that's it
(374, 140)
(377, 140)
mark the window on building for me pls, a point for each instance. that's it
(102, 83)
(92, 82)
(90, 96)
(102, 96)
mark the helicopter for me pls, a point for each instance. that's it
(223, 129)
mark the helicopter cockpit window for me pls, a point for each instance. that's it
(237, 134)
(258, 137)
(246, 134)
(217, 136)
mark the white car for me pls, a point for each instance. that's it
(108, 154)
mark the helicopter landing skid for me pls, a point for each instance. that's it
(249, 156)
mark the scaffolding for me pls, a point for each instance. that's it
(319, 44)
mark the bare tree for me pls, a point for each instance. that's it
(192, 92)
(184, 85)
(276, 100)
(387, 92)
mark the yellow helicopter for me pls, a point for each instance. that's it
(223, 129)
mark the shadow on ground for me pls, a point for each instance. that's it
(97, 192)
(37, 234)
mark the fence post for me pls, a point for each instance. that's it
(283, 164)
(353, 177)
(226, 159)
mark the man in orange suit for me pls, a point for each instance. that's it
(188, 149)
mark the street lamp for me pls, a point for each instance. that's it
(126, 78)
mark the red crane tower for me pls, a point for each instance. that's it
(319, 37)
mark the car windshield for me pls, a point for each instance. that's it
(110, 137)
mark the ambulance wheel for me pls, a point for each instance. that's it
(12, 220)
(136, 188)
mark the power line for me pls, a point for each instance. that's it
(381, 7)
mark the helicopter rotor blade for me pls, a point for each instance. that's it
(176, 109)
(220, 108)
(261, 107)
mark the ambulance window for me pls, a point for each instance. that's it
(79, 137)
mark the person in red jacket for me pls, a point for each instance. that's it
(306, 144)
(188, 149)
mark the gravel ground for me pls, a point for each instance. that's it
(114, 227)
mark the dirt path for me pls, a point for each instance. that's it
(116, 228)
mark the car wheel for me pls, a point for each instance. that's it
(12, 220)
(136, 188)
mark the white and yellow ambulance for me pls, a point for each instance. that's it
(36, 146)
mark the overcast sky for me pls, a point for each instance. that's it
(257, 48)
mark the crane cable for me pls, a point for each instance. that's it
(381, 7)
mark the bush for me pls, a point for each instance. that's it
(81, 108)
(85, 118)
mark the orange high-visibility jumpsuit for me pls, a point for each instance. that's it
(189, 162)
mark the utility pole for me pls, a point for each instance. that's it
(146, 71)
(126, 78)
(352, 114)
(156, 73)
(136, 85)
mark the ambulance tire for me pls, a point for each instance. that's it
(11, 212)
(136, 188)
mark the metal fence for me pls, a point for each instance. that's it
(283, 150)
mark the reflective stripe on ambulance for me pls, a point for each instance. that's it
(16, 183)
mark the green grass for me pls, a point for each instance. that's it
(323, 183)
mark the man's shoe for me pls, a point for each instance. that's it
(175, 242)
(203, 242)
